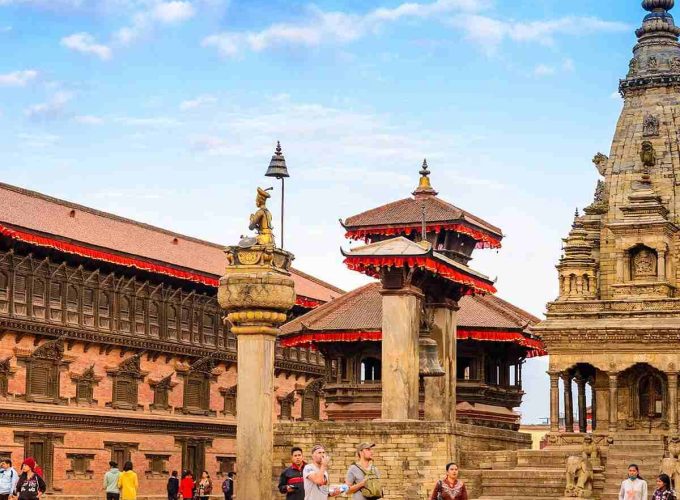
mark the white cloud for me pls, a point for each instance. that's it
(544, 70)
(567, 66)
(88, 120)
(53, 108)
(173, 12)
(86, 44)
(18, 78)
(37, 141)
(198, 102)
(489, 33)
(164, 13)
(333, 27)
(151, 122)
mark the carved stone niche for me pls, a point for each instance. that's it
(158, 465)
(80, 466)
(650, 126)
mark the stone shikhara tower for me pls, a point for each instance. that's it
(615, 326)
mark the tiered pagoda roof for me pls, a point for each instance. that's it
(39, 220)
(357, 316)
(404, 217)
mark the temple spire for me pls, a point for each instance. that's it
(424, 187)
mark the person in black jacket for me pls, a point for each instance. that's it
(30, 485)
(291, 482)
(173, 486)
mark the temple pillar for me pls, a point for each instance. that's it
(613, 402)
(661, 265)
(400, 362)
(582, 410)
(672, 400)
(568, 403)
(440, 392)
(620, 260)
(554, 401)
(593, 405)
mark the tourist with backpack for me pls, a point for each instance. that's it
(228, 487)
(363, 477)
(450, 488)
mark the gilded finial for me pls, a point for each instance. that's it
(424, 186)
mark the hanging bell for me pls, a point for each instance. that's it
(277, 166)
(428, 352)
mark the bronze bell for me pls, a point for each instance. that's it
(277, 166)
(428, 352)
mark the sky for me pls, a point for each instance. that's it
(168, 112)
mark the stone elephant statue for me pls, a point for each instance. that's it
(579, 477)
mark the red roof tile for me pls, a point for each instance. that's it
(38, 212)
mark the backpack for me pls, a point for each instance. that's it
(372, 489)
(226, 486)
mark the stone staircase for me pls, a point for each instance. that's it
(538, 475)
(645, 450)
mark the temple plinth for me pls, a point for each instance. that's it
(256, 292)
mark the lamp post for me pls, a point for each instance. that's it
(277, 168)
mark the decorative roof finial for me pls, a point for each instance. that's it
(576, 214)
(657, 5)
(424, 186)
(277, 165)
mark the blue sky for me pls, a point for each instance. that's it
(168, 112)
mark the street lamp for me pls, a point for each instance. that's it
(277, 168)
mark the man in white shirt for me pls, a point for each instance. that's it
(8, 479)
(315, 475)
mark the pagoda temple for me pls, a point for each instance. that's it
(433, 241)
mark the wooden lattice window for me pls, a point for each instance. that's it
(121, 452)
(229, 400)
(104, 310)
(4, 292)
(42, 380)
(157, 465)
(196, 393)
(80, 466)
(184, 325)
(154, 319)
(172, 322)
(85, 386)
(161, 392)
(72, 314)
(56, 309)
(209, 328)
(20, 295)
(88, 307)
(124, 314)
(140, 316)
(311, 400)
(196, 327)
(125, 392)
(39, 303)
(286, 404)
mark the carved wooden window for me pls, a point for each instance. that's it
(88, 307)
(80, 466)
(161, 391)
(209, 328)
(229, 401)
(172, 322)
(72, 313)
(120, 452)
(20, 295)
(125, 392)
(157, 465)
(311, 401)
(4, 292)
(56, 309)
(42, 380)
(104, 310)
(154, 319)
(140, 316)
(196, 327)
(84, 391)
(197, 392)
(124, 314)
(184, 324)
(4, 377)
(38, 303)
(286, 404)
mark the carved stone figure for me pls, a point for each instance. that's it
(650, 126)
(600, 160)
(644, 264)
(633, 67)
(675, 64)
(261, 220)
(674, 446)
(590, 451)
(671, 467)
(647, 154)
(579, 476)
(652, 63)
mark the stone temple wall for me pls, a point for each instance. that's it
(411, 456)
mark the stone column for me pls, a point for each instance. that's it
(400, 363)
(661, 265)
(593, 405)
(613, 402)
(620, 258)
(582, 411)
(440, 392)
(568, 403)
(256, 291)
(672, 400)
(554, 401)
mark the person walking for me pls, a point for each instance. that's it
(30, 485)
(186, 486)
(634, 487)
(315, 475)
(663, 489)
(228, 486)
(173, 486)
(450, 488)
(111, 482)
(128, 483)
(8, 479)
(291, 482)
(204, 486)
(363, 478)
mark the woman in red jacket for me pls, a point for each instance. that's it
(186, 486)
